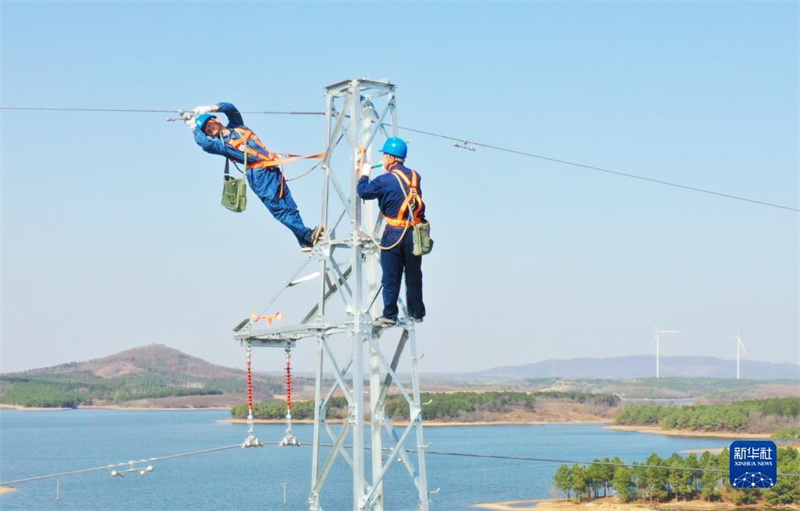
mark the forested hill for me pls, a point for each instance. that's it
(756, 416)
(144, 359)
(148, 376)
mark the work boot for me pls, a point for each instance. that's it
(385, 321)
(316, 234)
(418, 320)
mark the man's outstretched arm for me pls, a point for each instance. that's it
(209, 144)
(231, 112)
(234, 117)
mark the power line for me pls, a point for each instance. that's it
(117, 465)
(141, 110)
(574, 462)
(465, 143)
(600, 169)
(410, 451)
(562, 461)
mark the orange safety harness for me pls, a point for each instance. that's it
(413, 202)
(267, 157)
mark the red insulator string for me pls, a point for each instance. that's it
(288, 382)
(249, 386)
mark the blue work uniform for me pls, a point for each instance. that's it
(394, 262)
(268, 183)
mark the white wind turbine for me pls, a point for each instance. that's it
(739, 344)
(657, 339)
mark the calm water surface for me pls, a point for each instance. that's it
(40, 443)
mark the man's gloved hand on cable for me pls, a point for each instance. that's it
(188, 118)
(200, 110)
(365, 169)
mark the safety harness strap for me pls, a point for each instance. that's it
(281, 161)
(269, 160)
(240, 144)
(413, 201)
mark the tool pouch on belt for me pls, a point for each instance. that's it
(423, 244)
(234, 191)
(420, 231)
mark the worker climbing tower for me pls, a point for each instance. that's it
(339, 283)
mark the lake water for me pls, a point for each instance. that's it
(40, 443)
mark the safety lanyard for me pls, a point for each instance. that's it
(269, 164)
(228, 160)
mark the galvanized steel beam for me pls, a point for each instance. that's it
(362, 112)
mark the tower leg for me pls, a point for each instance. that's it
(376, 422)
(422, 485)
(319, 417)
(359, 333)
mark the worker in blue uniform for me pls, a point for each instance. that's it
(399, 198)
(263, 175)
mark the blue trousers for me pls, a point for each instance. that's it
(394, 263)
(267, 185)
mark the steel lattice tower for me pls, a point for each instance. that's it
(360, 115)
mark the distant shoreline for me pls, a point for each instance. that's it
(112, 407)
(652, 430)
(655, 430)
(432, 424)
(611, 504)
(31, 408)
(607, 424)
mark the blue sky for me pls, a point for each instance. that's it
(112, 235)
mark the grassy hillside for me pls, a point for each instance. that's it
(158, 376)
(147, 376)
(699, 390)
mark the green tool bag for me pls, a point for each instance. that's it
(421, 232)
(234, 191)
(234, 195)
(423, 244)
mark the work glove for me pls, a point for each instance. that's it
(365, 169)
(187, 118)
(200, 110)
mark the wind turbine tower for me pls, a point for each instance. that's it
(739, 348)
(657, 339)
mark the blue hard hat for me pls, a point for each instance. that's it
(201, 120)
(395, 147)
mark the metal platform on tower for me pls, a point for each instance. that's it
(343, 296)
